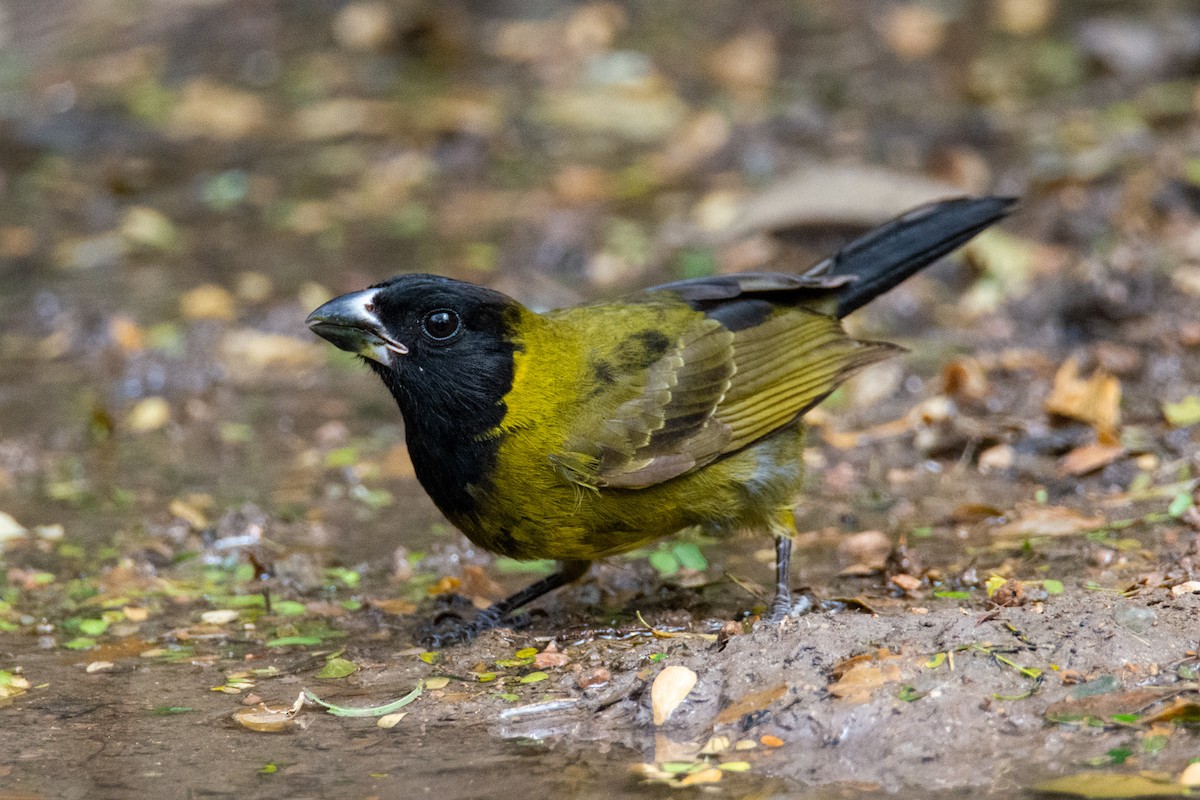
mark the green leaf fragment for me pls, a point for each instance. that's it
(512, 566)
(294, 641)
(1180, 504)
(689, 556)
(337, 668)
(679, 767)
(80, 643)
(288, 608)
(367, 711)
(1154, 743)
(93, 627)
(534, 677)
(1102, 685)
(1184, 413)
(168, 711)
(509, 663)
(1052, 586)
(664, 562)
(1119, 755)
(341, 458)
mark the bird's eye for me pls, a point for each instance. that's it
(441, 325)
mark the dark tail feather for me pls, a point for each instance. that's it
(908, 244)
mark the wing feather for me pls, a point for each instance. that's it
(712, 392)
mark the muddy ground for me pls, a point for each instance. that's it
(204, 509)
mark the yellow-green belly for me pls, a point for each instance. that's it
(535, 513)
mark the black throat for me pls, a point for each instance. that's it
(450, 425)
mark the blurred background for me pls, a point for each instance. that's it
(182, 181)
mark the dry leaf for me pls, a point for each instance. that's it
(906, 582)
(748, 704)
(550, 657)
(395, 605)
(266, 719)
(390, 720)
(860, 676)
(1096, 400)
(1048, 521)
(1089, 458)
(965, 378)
(710, 775)
(669, 690)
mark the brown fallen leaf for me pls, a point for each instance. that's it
(551, 657)
(1041, 520)
(1184, 710)
(973, 512)
(1089, 458)
(395, 606)
(748, 704)
(859, 677)
(710, 775)
(1104, 706)
(965, 378)
(1095, 400)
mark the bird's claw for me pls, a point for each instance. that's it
(460, 631)
(784, 607)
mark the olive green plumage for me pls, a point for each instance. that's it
(679, 420)
(592, 430)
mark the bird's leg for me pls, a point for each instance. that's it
(784, 529)
(495, 614)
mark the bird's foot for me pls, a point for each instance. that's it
(784, 607)
(449, 628)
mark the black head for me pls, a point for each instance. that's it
(443, 347)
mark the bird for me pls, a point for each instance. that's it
(592, 430)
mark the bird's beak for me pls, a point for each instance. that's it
(349, 322)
